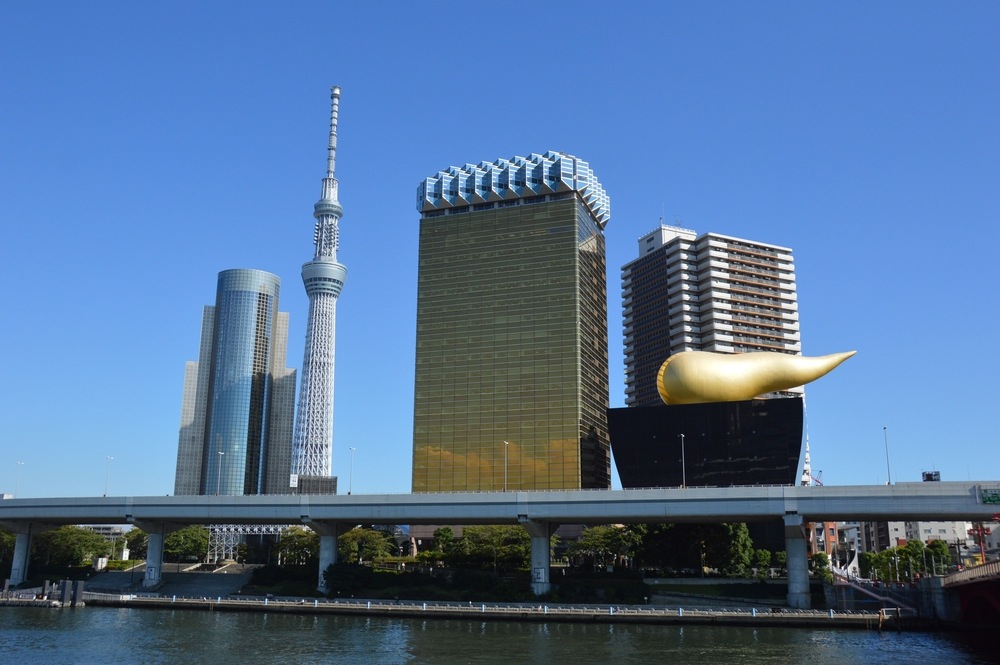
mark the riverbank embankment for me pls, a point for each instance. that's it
(584, 613)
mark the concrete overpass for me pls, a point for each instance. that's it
(540, 512)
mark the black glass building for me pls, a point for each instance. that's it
(511, 387)
(756, 442)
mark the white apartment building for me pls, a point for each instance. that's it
(703, 293)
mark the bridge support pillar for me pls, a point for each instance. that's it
(541, 548)
(796, 553)
(22, 549)
(154, 559)
(156, 532)
(328, 533)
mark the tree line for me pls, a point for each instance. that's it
(671, 549)
(906, 563)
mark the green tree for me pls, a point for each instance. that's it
(365, 544)
(762, 562)
(819, 565)
(724, 547)
(68, 546)
(940, 555)
(892, 565)
(345, 579)
(780, 560)
(137, 542)
(444, 541)
(869, 564)
(606, 545)
(441, 549)
(595, 544)
(914, 556)
(298, 546)
(736, 550)
(499, 546)
(883, 566)
(189, 543)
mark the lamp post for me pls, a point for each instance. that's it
(350, 476)
(683, 465)
(505, 444)
(888, 471)
(218, 475)
(107, 474)
(17, 483)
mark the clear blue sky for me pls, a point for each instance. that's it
(144, 147)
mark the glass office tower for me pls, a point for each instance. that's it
(238, 406)
(511, 362)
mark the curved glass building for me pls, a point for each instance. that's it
(236, 420)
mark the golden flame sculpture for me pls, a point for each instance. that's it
(696, 377)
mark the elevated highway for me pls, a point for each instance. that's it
(903, 501)
(540, 512)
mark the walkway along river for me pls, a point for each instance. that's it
(528, 612)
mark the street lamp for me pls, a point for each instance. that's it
(17, 483)
(107, 475)
(350, 477)
(218, 476)
(683, 465)
(888, 472)
(505, 444)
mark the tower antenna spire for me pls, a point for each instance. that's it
(331, 153)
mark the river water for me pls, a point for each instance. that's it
(109, 636)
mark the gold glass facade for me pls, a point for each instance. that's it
(511, 362)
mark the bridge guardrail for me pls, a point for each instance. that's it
(990, 569)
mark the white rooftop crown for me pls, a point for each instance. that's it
(514, 178)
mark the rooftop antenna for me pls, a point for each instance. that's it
(331, 154)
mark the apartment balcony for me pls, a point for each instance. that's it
(746, 292)
(743, 278)
(771, 321)
(716, 325)
(755, 250)
(681, 296)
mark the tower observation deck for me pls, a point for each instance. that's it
(312, 445)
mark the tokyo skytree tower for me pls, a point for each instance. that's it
(312, 446)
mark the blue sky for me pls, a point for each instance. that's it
(144, 147)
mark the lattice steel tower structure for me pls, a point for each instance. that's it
(312, 446)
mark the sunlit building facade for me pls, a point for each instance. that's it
(239, 398)
(511, 386)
